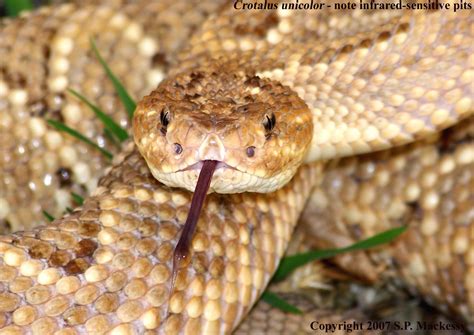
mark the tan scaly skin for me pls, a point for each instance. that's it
(115, 254)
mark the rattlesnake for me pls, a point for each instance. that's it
(371, 81)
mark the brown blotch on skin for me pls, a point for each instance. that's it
(384, 36)
(85, 248)
(59, 258)
(366, 43)
(76, 266)
(403, 28)
(89, 229)
(260, 29)
(270, 21)
(347, 49)
(159, 60)
(40, 250)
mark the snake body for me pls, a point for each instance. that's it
(107, 266)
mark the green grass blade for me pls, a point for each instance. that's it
(62, 127)
(108, 135)
(14, 7)
(48, 216)
(106, 120)
(77, 198)
(290, 263)
(275, 301)
(127, 101)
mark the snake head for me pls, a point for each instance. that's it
(258, 130)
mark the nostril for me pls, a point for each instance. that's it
(250, 151)
(178, 149)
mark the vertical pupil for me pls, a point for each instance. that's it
(164, 118)
(269, 122)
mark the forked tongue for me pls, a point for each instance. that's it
(199, 195)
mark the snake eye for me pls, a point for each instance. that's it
(250, 151)
(164, 119)
(178, 149)
(269, 122)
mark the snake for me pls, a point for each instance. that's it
(351, 122)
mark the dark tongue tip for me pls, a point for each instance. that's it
(199, 195)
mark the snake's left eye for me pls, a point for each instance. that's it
(269, 122)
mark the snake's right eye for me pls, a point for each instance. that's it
(164, 120)
(178, 149)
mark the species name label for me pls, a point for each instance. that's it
(352, 5)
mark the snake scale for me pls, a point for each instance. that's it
(391, 91)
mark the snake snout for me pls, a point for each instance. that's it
(211, 148)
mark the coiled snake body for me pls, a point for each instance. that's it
(398, 83)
